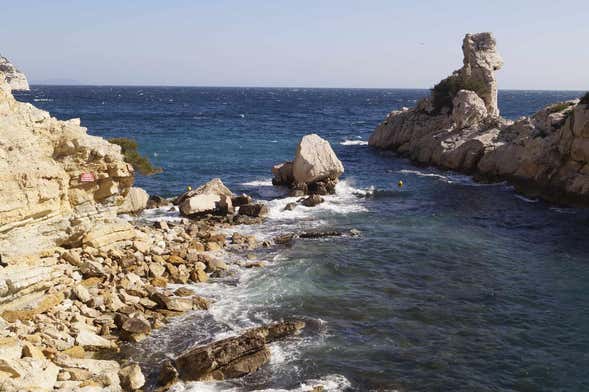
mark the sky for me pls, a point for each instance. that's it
(363, 43)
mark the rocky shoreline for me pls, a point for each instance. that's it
(77, 281)
(109, 296)
(458, 127)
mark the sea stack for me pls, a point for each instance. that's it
(315, 169)
(458, 127)
(15, 79)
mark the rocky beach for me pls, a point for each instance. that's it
(106, 286)
(78, 281)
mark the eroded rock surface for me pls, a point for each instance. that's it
(235, 356)
(44, 200)
(545, 155)
(15, 79)
(315, 169)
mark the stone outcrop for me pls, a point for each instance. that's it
(15, 79)
(458, 127)
(211, 197)
(57, 182)
(232, 357)
(481, 60)
(315, 168)
(135, 201)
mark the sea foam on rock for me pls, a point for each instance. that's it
(458, 127)
(231, 357)
(315, 169)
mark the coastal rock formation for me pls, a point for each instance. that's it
(481, 60)
(315, 168)
(232, 357)
(458, 127)
(15, 79)
(208, 198)
(76, 282)
(315, 161)
(57, 182)
(135, 201)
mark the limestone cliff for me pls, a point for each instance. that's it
(43, 202)
(16, 80)
(458, 127)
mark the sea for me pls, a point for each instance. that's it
(451, 285)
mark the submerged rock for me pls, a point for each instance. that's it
(253, 210)
(232, 357)
(155, 201)
(312, 201)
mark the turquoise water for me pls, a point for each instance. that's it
(452, 285)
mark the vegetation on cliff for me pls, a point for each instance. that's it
(444, 92)
(585, 99)
(132, 156)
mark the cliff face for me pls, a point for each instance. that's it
(16, 80)
(458, 127)
(43, 202)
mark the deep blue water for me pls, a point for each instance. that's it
(451, 286)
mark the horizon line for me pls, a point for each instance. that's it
(275, 87)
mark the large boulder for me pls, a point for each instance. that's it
(208, 198)
(253, 210)
(16, 80)
(27, 374)
(315, 160)
(232, 357)
(315, 169)
(135, 201)
(283, 173)
(469, 109)
(213, 187)
(199, 204)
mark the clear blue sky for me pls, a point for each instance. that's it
(292, 43)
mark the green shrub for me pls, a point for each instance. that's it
(444, 92)
(585, 99)
(559, 107)
(132, 156)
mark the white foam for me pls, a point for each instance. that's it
(562, 210)
(347, 200)
(43, 100)
(354, 143)
(423, 174)
(451, 178)
(527, 200)
(330, 383)
(167, 213)
(264, 182)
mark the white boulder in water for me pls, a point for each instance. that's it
(315, 160)
(315, 169)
